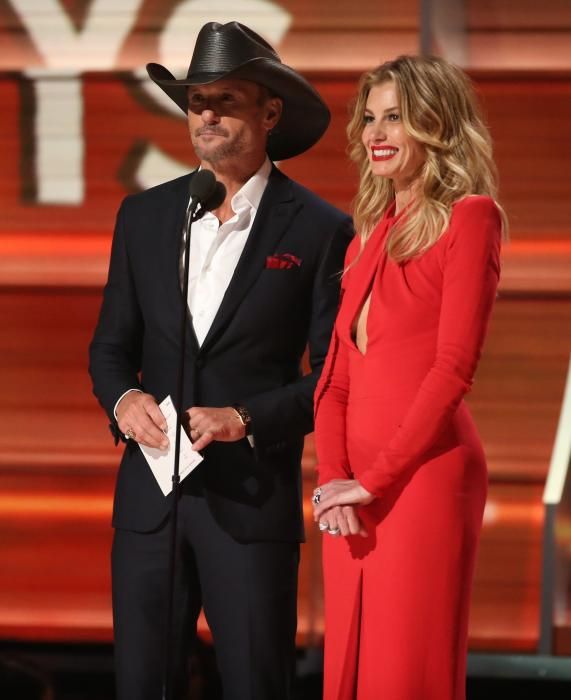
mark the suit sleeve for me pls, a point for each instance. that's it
(470, 277)
(115, 351)
(287, 412)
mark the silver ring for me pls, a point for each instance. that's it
(323, 527)
(316, 496)
(335, 531)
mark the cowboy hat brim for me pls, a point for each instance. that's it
(304, 119)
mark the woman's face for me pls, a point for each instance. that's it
(391, 151)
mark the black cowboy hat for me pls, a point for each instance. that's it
(233, 50)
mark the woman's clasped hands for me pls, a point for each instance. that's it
(335, 507)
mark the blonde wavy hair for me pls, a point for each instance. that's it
(438, 109)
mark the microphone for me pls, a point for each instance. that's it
(204, 191)
(201, 186)
(216, 198)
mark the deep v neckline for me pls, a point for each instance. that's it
(357, 320)
(365, 295)
(377, 254)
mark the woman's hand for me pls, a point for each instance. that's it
(341, 520)
(339, 492)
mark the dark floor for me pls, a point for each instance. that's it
(85, 673)
(310, 689)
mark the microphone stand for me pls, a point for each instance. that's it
(190, 217)
(210, 194)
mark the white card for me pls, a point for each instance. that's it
(161, 462)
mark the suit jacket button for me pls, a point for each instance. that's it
(199, 362)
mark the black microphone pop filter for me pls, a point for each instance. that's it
(216, 198)
(202, 185)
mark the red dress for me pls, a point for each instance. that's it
(396, 602)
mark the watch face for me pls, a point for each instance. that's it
(243, 413)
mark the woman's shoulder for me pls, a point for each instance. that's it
(474, 205)
(475, 210)
(475, 220)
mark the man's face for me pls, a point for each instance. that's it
(230, 119)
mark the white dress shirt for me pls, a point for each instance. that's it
(215, 249)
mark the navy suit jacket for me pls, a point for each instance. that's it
(251, 355)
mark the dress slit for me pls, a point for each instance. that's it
(347, 662)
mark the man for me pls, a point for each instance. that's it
(263, 283)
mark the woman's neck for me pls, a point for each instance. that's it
(405, 192)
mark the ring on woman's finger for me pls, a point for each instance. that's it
(334, 531)
(130, 433)
(316, 496)
(323, 527)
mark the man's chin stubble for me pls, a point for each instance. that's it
(219, 153)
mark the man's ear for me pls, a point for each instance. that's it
(273, 109)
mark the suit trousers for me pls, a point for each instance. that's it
(248, 592)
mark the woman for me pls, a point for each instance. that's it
(402, 474)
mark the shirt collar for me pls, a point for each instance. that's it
(250, 194)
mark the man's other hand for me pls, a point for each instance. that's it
(140, 419)
(208, 424)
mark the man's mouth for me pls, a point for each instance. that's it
(208, 131)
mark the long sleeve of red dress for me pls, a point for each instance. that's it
(331, 396)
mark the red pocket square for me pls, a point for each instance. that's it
(282, 261)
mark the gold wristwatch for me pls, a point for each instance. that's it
(244, 416)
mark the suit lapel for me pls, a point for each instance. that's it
(277, 209)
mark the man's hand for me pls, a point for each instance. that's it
(208, 424)
(140, 419)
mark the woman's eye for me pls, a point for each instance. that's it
(368, 119)
(393, 117)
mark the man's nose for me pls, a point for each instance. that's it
(210, 115)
